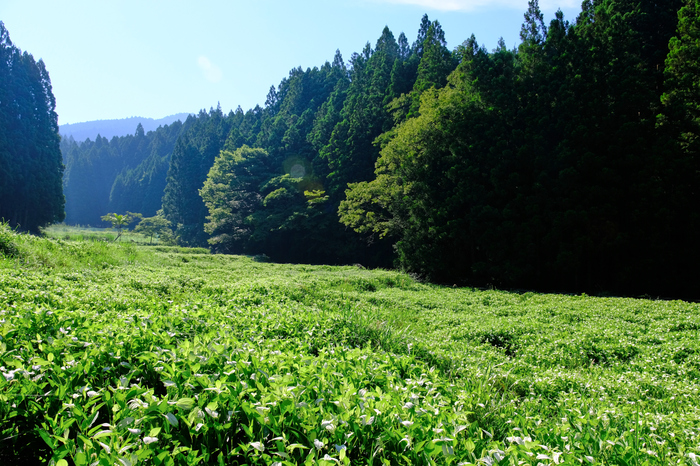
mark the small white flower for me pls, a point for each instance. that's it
(149, 440)
(318, 444)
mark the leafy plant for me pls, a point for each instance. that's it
(120, 221)
(120, 354)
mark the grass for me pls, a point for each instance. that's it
(81, 233)
(123, 354)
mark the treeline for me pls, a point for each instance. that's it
(316, 134)
(30, 157)
(124, 174)
(317, 131)
(118, 127)
(568, 163)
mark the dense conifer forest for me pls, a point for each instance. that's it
(30, 157)
(567, 163)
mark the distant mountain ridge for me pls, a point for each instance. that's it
(110, 128)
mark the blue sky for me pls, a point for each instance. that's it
(153, 58)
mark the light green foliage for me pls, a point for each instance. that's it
(231, 194)
(8, 247)
(152, 226)
(175, 356)
(81, 233)
(120, 221)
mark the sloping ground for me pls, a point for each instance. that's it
(119, 354)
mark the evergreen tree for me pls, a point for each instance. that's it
(350, 151)
(31, 165)
(193, 156)
(680, 123)
(436, 63)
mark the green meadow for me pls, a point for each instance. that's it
(82, 233)
(122, 354)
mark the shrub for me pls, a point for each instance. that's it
(8, 246)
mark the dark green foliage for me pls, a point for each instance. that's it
(140, 187)
(682, 96)
(192, 157)
(31, 168)
(232, 194)
(569, 162)
(436, 62)
(124, 174)
(545, 166)
(349, 152)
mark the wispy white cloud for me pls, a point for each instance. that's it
(211, 72)
(472, 5)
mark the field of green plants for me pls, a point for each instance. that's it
(119, 354)
(80, 233)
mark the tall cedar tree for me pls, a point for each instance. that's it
(193, 156)
(31, 166)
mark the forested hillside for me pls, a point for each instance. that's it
(122, 174)
(317, 133)
(568, 163)
(30, 157)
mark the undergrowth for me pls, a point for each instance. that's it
(122, 354)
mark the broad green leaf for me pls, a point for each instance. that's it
(185, 403)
